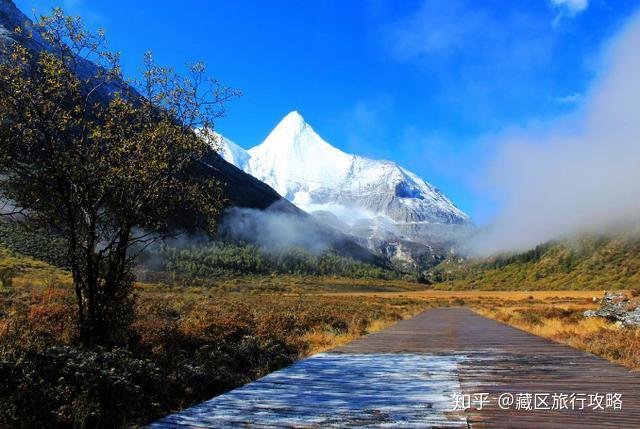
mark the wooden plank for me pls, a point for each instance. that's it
(407, 375)
(337, 390)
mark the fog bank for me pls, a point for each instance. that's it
(569, 179)
(275, 230)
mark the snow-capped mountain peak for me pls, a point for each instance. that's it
(288, 130)
(293, 136)
(314, 175)
(294, 159)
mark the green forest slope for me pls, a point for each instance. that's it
(587, 262)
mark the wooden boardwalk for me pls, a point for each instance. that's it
(410, 374)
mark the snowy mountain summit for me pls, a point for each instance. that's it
(315, 176)
(386, 208)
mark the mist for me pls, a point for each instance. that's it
(580, 174)
(275, 230)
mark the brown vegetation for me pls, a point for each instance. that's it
(185, 345)
(563, 321)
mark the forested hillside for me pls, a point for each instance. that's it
(203, 261)
(232, 259)
(585, 262)
(33, 242)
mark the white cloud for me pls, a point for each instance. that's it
(572, 7)
(559, 181)
(437, 28)
(477, 58)
(569, 99)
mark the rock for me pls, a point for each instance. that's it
(616, 307)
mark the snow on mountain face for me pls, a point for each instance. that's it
(308, 171)
(231, 152)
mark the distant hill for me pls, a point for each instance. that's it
(585, 262)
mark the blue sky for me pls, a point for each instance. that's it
(426, 83)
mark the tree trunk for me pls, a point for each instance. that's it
(102, 284)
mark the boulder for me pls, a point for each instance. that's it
(617, 307)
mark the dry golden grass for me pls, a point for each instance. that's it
(31, 272)
(320, 340)
(322, 322)
(476, 294)
(550, 327)
(551, 314)
(563, 322)
(289, 283)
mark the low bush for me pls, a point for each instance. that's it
(65, 386)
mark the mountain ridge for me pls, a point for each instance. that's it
(385, 207)
(310, 172)
(252, 193)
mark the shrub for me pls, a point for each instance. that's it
(7, 274)
(530, 317)
(64, 386)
